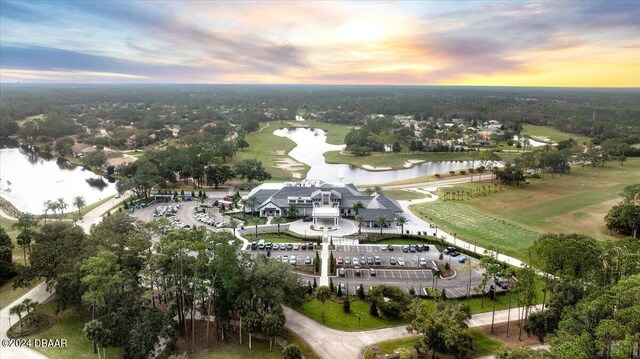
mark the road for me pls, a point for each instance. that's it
(330, 343)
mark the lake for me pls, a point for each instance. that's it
(311, 144)
(28, 179)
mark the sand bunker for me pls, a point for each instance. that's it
(410, 163)
(289, 164)
(371, 168)
(278, 153)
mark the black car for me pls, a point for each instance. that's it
(448, 250)
(390, 247)
(425, 247)
(342, 272)
(289, 246)
(377, 261)
(372, 272)
(419, 248)
(269, 246)
(357, 271)
(502, 283)
(307, 219)
(454, 253)
(254, 246)
(303, 246)
(310, 246)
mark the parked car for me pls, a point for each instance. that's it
(401, 261)
(454, 253)
(342, 272)
(339, 260)
(383, 247)
(435, 270)
(292, 260)
(285, 259)
(355, 261)
(296, 247)
(347, 260)
(419, 247)
(377, 261)
(289, 246)
(502, 283)
(254, 246)
(276, 246)
(393, 261)
(303, 246)
(448, 250)
(390, 247)
(412, 248)
(405, 249)
(307, 260)
(369, 261)
(462, 259)
(422, 262)
(343, 288)
(357, 271)
(307, 219)
(372, 272)
(426, 247)
(363, 261)
(310, 246)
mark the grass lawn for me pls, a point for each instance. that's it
(233, 350)
(476, 227)
(401, 241)
(551, 133)
(35, 118)
(264, 146)
(404, 195)
(574, 203)
(336, 318)
(482, 344)
(8, 294)
(305, 348)
(335, 132)
(69, 326)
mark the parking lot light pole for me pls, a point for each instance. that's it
(358, 315)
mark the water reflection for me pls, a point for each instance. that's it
(28, 179)
(311, 144)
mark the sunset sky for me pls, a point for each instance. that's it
(510, 43)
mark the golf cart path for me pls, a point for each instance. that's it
(331, 343)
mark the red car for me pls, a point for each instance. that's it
(339, 260)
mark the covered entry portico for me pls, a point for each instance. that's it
(322, 215)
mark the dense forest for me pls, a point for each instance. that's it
(597, 113)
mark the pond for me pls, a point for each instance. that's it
(27, 180)
(311, 144)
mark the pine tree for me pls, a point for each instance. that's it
(373, 309)
(346, 305)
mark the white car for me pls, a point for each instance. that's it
(292, 260)
(401, 261)
(422, 262)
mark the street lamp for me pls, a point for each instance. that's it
(358, 315)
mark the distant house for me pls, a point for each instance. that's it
(324, 202)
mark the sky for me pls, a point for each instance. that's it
(477, 43)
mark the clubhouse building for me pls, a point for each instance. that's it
(324, 203)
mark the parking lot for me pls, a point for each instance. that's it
(299, 254)
(390, 270)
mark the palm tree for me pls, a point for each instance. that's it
(17, 310)
(359, 219)
(233, 223)
(55, 206)
(400, 221)
(356, 207)
(79, 202)
(62, 205)
(322, 294)
(250, 202)
(47, 208)
(382, 221)
(368, 191)
(377, 189)
(92, 330)
(255, 221)
(278, 220)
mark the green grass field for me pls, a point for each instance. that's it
(575, 203)
(476, 227)
(264, 146)
(35, 118)
(482, 344)
(551, 133)
(404, 195)
(233, 350)
(69, 326)
(335, 132)
(336, 318)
